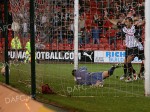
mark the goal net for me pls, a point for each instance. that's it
(99, 44)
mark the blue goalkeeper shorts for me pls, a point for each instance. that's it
(96, 76)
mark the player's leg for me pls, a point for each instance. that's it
(140, 74)
(124, 70)
(97, 77)
(141, 57)
(134, 74)
(129, 67)
(111, 71)
(125, 66)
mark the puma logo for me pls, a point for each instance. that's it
(88, 55)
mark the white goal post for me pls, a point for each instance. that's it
(76, 16)
(147, 48)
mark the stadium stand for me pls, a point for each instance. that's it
(87, 10)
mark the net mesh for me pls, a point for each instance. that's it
(54, 43)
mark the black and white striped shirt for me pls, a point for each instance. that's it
(130, 39)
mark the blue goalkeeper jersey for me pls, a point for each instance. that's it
(83, 77)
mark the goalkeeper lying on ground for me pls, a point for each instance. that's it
(83, 77)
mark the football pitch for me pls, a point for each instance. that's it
(115, 96)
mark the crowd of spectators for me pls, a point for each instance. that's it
(54, 20)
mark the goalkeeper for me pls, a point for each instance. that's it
(83, 77)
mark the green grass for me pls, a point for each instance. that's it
(115, 96)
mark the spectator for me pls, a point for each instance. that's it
(56, 20)
(96, 34)
(87, 36)
(81, 23)
(131, 13)
(70, 36)
(111, 34)
(35, 30)
(44, 37)
(80, 37)
(60, 35)
(16, 43)
(25, 28)
(28, 52)
(44, 19)
(15, 27)
(99, 22)
(39, 45)
(95, 17)
(72, 26)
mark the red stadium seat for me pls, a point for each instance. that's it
(120, 41)
(102, 35)
(93, 4)
(3, 39)
(112, 47)
(54, 46)
(61, 46)
(120, 47)
(88, 24)
(107, 46)
(101, 47)
(82, 47)
(1, 48)
(88, 47)
(68, 46)
(54, 40)
(89, 17)
(47, 46)
(88, 21)
(95, 46)
(1, 45)
(103, 40)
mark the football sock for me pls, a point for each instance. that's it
(111, 70)
(142, 68)
(129, 67)
(133, 71)
(125, 70)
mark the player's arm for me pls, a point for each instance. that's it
(120, 34)
(114, 22)
(141, 23)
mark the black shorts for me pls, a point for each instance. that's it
(131, 51)
(141, 55)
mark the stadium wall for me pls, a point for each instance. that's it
(96, 56)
